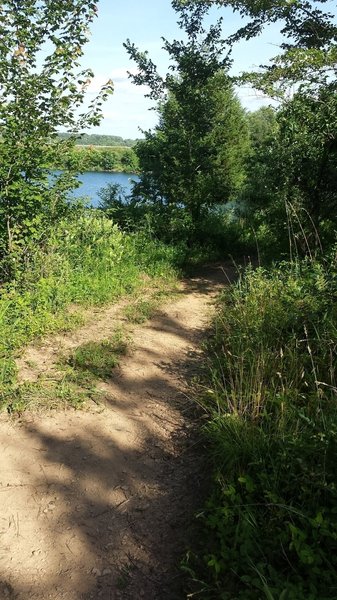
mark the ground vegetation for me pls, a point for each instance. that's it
(215, 180)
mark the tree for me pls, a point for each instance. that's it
(194, 157)
(308, 155)
(260, 166)
(300, 165)
(304, 25)
(41, 89)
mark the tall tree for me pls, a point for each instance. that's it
(194, 157)
(42, 88)
(301, 164)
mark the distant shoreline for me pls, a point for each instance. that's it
(102, 141)
(111, 171)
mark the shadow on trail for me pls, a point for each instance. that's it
(110, 495)
(209, 278)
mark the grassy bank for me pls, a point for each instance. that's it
(270, 524)
(85, 260)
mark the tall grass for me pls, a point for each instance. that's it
(271, 523)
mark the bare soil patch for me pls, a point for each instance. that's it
(97, 503)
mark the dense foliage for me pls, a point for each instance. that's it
(84, 260)
(98, 158)
(291, 182)
(39, 95)
(194, 158)
(271, 522)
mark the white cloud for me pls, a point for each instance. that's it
(122, 82)
(127, 108)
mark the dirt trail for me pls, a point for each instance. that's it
(96, 503)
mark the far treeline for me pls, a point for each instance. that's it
(215, 182)
(97, 139)
(78, 159)
(97, 152)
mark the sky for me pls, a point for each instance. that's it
(145, 23)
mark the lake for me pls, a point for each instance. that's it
(92, 182)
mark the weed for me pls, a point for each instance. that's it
(140, 311)
(96, 360)
(43, 395)
(124, 577)
(143, 308)
(8, 372)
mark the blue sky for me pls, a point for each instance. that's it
(145, 23)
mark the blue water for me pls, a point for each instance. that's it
(92, 182)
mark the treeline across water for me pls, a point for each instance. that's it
(269, 526)
(99, 139)
(99, 158)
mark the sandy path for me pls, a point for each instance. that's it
(96, 503)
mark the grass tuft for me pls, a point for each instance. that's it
(98, 359)
(140, 311)
(45, 395)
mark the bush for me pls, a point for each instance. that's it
(218, 232)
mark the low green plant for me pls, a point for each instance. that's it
(140, 311)
(46, 394)
(83, 260)
(98, 359)
(124, 576)
(270, 525)
(8, 372)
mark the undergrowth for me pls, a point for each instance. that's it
(84, 260)
(270, 525)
